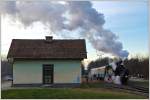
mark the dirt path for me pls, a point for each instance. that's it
(6, 85)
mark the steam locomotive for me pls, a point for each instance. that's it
(115, 72)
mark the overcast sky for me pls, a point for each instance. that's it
(128, 20)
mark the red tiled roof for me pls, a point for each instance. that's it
(44, 49)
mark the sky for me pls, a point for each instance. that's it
(128, 20)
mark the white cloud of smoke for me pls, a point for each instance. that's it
(70, 16)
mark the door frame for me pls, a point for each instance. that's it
(52, 79)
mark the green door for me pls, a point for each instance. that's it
(48, 71)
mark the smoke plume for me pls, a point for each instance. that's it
(69, 16)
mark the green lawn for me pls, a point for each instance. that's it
(68, 93)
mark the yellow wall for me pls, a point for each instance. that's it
(30, 71)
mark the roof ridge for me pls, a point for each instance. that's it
(53, 39)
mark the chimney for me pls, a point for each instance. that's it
(49, 38)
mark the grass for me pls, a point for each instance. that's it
(67, 93)
(93, 85)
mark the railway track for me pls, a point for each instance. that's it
(133, 88)
(140, 88)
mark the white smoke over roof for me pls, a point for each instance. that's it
(70, 16)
